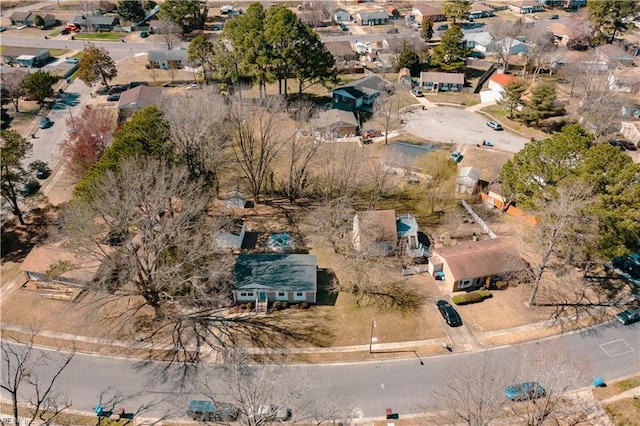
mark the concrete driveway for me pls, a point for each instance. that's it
(459, 127)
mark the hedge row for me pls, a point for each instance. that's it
(473, 297)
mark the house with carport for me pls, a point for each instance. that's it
(472, 264)
(266, 278)
(441, 81)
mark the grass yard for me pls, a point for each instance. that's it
(616, 388)
(624, 412)
(99, 36)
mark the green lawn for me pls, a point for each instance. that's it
(56, 33)
(99, 36)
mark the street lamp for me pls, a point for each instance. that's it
(373, 325)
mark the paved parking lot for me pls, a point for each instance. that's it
(459, 127)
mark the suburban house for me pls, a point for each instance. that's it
(404, 77)
(341, 50)
(508, 46)
(168, 59)
(626, 80)
(22, 18)
(562, 32)
(231, 236)
(472, 264)
(467, 181)
(480, 41)
(420, 11)
(58, 271)
(49, 21)
(358, 94)
(235, 199)
(526, 6)
(341, 15)
(265, 278)
(441, 81)
(479, 10)
(496, 85)
(25, 56)
(96, 23)
(393, 12)
(139, 97)
(375, 232)
(315, 17)
(372, 17)
(335, 123)
(408, 242)
(404, 158)
(614, 55)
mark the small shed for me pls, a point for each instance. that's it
(235, 199)
(467, 181)
(404, 77)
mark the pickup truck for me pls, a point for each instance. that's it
(456, 156)
(212, 411)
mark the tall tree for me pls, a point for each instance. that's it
(13, 151)
(282, 31)
(456, 10)
(201, 52)
(440, 173)
(130, 10)
(186, 13)
(257, 139)
(169, 32)
(312, 62)
(91, 135)
(512, 95)
(409, 58)
(96, 64)
(451, 53)
(612, 16)
(505, 34)
(27, 370)
(426, 30)
(13, 86)
(39, 85)
(386, 109)
(541, 104)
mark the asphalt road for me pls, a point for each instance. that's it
(365, 389)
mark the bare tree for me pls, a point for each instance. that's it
(332, 221)
(257, 138)
(169, 32)
(440, 173)
(473, 392)
(379, 178)
(386, 110)
(540, 46)
(146, 226)
(200, 133)
(602, 109)
(563, 210)
(90, 135)
(581, 31)
(300, 149)
(32, 373)
(13, 86)
(504, 35)
(339, 170)
(87, 7)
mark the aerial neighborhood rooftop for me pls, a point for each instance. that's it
(381, 187)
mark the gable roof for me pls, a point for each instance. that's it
(483, 38)
(426, 10)
(20, 16)
(404, 71)
(484, 258)
(503, 79)
(373, 14)
(81, 268)
(614, 53)
(18, 51)
(443, 77)
(340, 48)
(366, 85)
(334, 117)
(279, 272)
(629, 75)
(468, 176)
(140, 97)
(168, 55)
(101, 20)
(383, 221)
(479, 7)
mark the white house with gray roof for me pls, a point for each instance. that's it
(372, 17)
(168, 59)
(441, 81)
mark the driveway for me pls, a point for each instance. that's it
(459, 127)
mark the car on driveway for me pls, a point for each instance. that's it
(30, 188)
(494, 125)
(417, 92)
(72, 60)
(45, 122)
(628, 145)
(554, 17)
(371, 133)
(525, 391)
(113, 98)
(43, 171)
(449, 314)
(629, 316)
(118, 89)
(144, 34)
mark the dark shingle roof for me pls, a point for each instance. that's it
(279, 272)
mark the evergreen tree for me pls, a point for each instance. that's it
(541, 104)
(38, 21)
(612, 16)
(96, 64)
(512, 95)
(456, 10)
(451, 53)
(39, 85)
(13, 151)
(409, 58)
(131, 10)
(201, 52)
(426, 32)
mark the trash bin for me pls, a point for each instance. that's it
(599, 382)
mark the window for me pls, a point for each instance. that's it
(465, 283)
(299, 294)
(281, 293)
(246, 294)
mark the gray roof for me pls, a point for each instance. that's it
(19, 51)
(275, 272)
(374, 14)
(334, 117)
(19, 16)
(403, 155)
(95, 20)
(140, 97)
(468, 176)
(366, 85)
(168, 55)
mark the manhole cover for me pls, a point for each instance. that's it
(616, 347)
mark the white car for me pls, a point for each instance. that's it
(271, 413)
(494, 125)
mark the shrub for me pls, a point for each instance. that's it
(501, 285)
(304, 305)
(250, 306)
(484, 293)
(465, 299)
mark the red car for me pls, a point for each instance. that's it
(371, 133)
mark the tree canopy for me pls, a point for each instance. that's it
(201, 52)
(426, 31)
(612, 16)
(96, 65)
(541, 104)
(130, 10)
(409, 59)
(186, 13)
(451, 53)
(456, 10)
(512, 95)
(13, 151)
(39, 85)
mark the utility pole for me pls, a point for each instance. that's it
(373, 325)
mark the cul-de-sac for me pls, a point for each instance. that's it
(356, 212)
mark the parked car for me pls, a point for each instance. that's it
(393, 30)
(616, 142)
(628, 145)
(30, 188)
(442, 27)
(72, 60)
(2, 29)
(417, 92)
(270, 413)
(554, 17)
(371, 133)
(118, 89)
(43, 171)
(45, 122)
(449, 314)
(65, 31)
(343, 27)
(525, 391)
(629, 316)
(456, 156)
(212, 411)
(494, 125)
(144, 34)
(113, 98)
